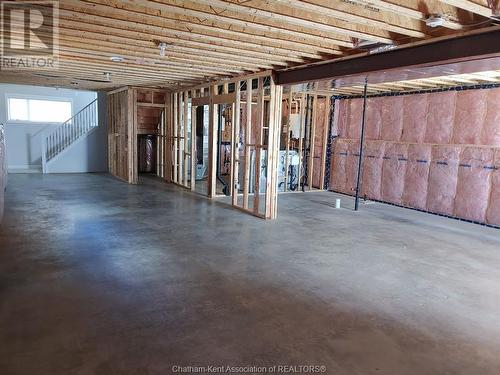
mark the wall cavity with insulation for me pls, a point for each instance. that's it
(435, 151)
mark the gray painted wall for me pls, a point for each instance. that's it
(89, 154)
(24, 140)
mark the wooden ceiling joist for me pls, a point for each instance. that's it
(192, 16)
(202, 34)
(272, 12)
(415, 85)
(331, 9)
(211, 39)
(471, 6)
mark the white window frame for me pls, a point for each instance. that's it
(34, 97)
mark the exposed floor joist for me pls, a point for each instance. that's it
(211, 39)
(413, 85)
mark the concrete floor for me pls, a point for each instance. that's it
(98, 277)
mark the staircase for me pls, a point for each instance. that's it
(68, 133)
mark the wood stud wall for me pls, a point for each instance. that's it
(256, 99)
(124, 122)
(264, 128)
(307, 107)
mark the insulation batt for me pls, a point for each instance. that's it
(392, 118)
(444, 129)
(417, 176)
(470, 109)
(372, 169)
(493, 212)
(319, 136)
(414, 117)
(373, 121)
(355, 112)
(473, 186)
(393, 172)
(338, 166)
(440, 117)
(491, 128)
(352, 166)
(341, 109)
(443, 176)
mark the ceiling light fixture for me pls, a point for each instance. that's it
(434, 20)
(163, 48)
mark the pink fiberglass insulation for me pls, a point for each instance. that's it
(393, 172)
(339, 162)
(316, 181)
(435, 132)
(341, 109)
(319, 132)
(373, 121)
(493, 212)
(473, 186)
(443, 175)
(336, 116)
(372, 169)
(319, 137)
(415, 117)
(470, 113)
(417, 176)
(440, 117)
(491, 126)
(354, 118)
(352, 166)
(392, 118)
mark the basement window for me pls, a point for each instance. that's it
(20, 109)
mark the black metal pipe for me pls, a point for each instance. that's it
(329, 145)
(362, 139)
(225, 187)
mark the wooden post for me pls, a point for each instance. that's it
(258, 143)
(131, 136)
(248, 135)
(193, 142)
(273, 150)
(175, 139)
(301, 137)
(212, 144)
(186, 138)
(180, 158)
(310, 166)
(168, 137)
(235, 143)
(287, 146)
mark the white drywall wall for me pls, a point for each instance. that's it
(89, 154)
(24, 140)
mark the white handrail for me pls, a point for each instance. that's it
(69, 131)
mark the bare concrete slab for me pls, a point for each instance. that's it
(100, 277)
